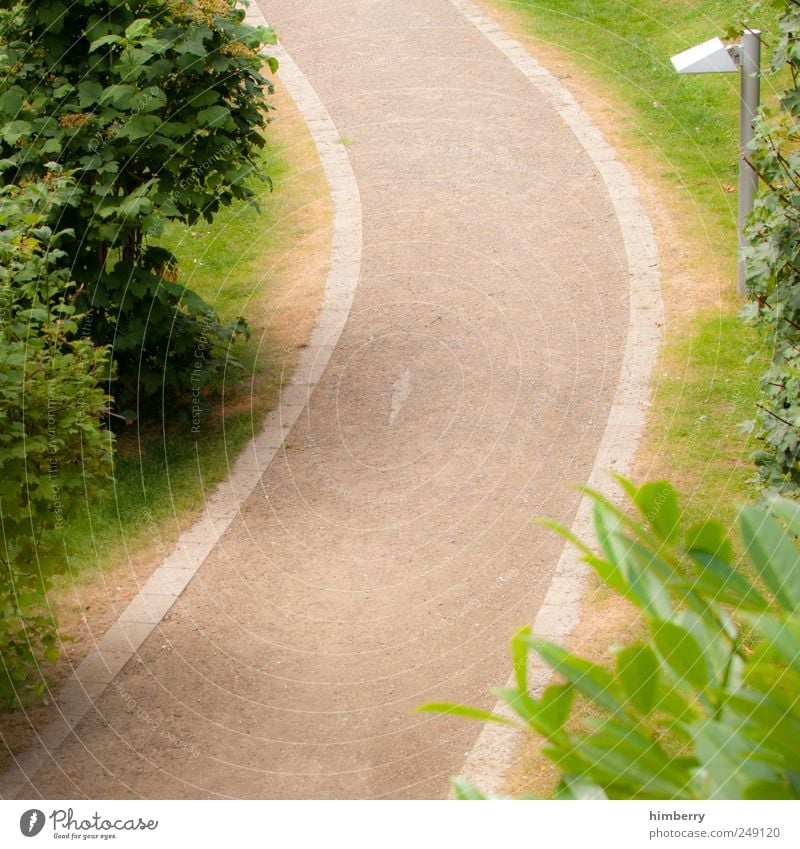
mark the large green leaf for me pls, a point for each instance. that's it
(139, 127)
(781, 635)
(774, 555)
(771, 725)
(15, 130)
(626, 739)
(566, 533)
(625, 761)
(608, 517)
(519, 657)
(11, 101)
(724, 760)
(720, 582)
(575, 789)
(104, 41)
(772, 790)
(213, 116)
(194, 42)
(607, 571)
(89, 93)
(709, 537)
(464, 791)
(140, 27)
(546, 715)
(645, 573)
(120, 95)
(788, 511)
(556, 704)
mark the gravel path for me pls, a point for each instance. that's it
(389, 551)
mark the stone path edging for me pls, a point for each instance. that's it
(493, 752)
(161, 591)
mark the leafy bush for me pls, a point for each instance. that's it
(773, 266)
(706, 705)
(157, 107)
(53, 448)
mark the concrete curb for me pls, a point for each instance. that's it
(493, 752)
(161, 591)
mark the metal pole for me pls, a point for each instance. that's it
(749, 72)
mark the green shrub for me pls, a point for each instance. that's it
(707, 704)
(773, 266)
(53, 448)
(157, 107)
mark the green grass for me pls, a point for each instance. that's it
(161, 477)
(687, 128)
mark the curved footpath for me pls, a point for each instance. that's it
(388, 551)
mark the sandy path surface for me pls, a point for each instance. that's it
(389, 552)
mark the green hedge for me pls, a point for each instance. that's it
(773, 266)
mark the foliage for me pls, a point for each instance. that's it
(706, 705)
(52, 445)
(773, 266)
(157, 106)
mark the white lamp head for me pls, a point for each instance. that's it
(711, 57)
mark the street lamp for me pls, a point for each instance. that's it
(713, 57)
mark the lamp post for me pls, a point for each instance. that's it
(713, 57)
